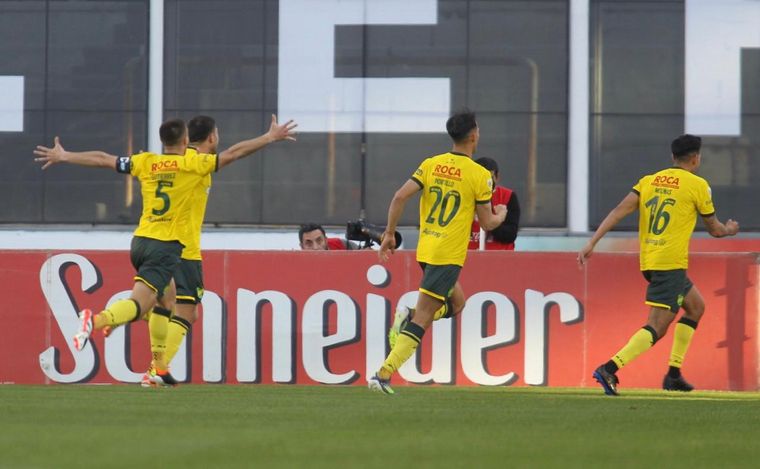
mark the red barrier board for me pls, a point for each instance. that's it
(322, 317)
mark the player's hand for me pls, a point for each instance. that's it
(732, 226)
(500, 211)
(50, 156)
(585, 253)
(279, 132)
(387, 246)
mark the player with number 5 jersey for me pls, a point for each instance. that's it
(171, 219)
(669, 203)
(454, 188)
(167, 182)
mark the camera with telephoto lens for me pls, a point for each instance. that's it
(367, 233)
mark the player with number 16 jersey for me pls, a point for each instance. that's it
(669, 203)
(667, 216)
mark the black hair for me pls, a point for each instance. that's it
(488, 163)
(305, 228)
(172, 132)
(460, 125)
(685, 145)
(200, 127)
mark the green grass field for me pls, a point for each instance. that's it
(324, 426)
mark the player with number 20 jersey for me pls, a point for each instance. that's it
(451, 185)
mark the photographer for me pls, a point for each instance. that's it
(502, 237)
(312, 237)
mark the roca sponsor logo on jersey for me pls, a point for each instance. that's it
(663, 180)
(448, 170)
(165, 165)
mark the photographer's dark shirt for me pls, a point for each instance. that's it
(503, 237)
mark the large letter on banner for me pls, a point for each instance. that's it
(715, 34)
(11, 104)
(309, 92)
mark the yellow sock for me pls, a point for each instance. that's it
(158, 326)
(682, 335)
(178, 328)
(120, 312)
(406, 344)
(639, 343)
(441, 312)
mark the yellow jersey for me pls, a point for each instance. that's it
(669, 202)
(167, 183)
(452, 183)
(198, 202)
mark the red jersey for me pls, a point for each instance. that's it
(500, 196)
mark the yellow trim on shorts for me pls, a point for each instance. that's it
(434, 295)
(140, 279)
(185, 297)
(658, 305)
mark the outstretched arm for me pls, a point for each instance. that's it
(246, 147)
(394, 214)
(626, 207)
(718, 229)
(57, 154)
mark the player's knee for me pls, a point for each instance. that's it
(695, 311)
(660, 325)
(456, 308)
(188, 312)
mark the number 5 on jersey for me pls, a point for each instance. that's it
(160, 194)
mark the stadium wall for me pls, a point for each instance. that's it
(532, 319)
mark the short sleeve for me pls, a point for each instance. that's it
(704, 199)
(205, 163)
(419, 174)
(133, 165)
(637, 187)
(483, 186)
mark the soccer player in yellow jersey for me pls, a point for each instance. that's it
(168, 183)
(204, 139)
(669, 202)
(188, 277)
(454, 188)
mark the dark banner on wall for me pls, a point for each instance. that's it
(308, 318)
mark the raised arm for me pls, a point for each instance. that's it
(246, 147)
(395, 210)
(627, 206)
(718, 229)
(57, 154)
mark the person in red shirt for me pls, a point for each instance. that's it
(503, 237)
(312, 237)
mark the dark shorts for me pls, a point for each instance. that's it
(189, 280)
(438, 280)
(667, 288)
(155, 261)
